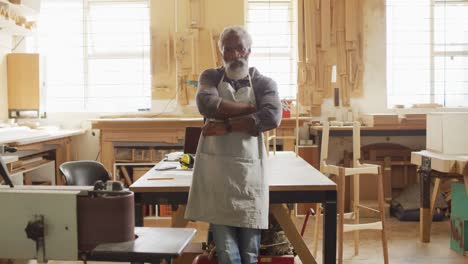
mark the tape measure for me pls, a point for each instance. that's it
(187, 161)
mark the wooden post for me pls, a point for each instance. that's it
(280, 212)
(380, 197)
(178, 219)
(62, 154)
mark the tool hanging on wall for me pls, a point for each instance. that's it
(161, 54)
(329, 33)
(196, 13)
(215, 54)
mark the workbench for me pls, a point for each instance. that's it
(382, 131)
(116, 131)
(438, 166)
(33, 141)
(291, 179)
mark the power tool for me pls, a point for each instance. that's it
(187, 161)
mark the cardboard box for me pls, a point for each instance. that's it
(447, 133)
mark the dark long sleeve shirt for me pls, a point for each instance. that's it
(268, 114)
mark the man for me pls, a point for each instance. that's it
(229, 189)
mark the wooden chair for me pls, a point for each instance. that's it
(274, 137)
(341, 173)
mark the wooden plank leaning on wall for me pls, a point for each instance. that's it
(329, 33)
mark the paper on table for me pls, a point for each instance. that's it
(174, 173)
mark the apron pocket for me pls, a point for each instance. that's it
(239, 180)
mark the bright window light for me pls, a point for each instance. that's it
(96, 55)
(272, 25)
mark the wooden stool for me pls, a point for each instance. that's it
(341, 173)
(274, 137)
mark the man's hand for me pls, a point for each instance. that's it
(228, 109)
(214, 129)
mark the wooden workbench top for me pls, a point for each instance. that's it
(285, 172)
(23, 135)
(170, 122)
(442, 162)
(393, 127)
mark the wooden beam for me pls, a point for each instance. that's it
(310, 19)
(325, 17)
(351, 20)
(280, 212)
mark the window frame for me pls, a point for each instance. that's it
(436, 51)
(433, 45)
(292, 55)
(88, 56)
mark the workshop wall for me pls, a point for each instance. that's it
(5, 47)
(184, 37)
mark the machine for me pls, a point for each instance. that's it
(62, 222)
(80, 223)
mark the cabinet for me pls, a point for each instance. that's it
(23, 83)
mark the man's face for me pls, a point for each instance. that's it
(235, 57)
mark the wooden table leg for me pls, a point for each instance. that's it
(435, 192)
(329, 228)
(425, 218)
(288, 144)
(62, 154)
(178, 219)
(138, 210)
(280, 212)
(107, 157)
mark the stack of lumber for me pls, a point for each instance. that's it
(380, 119)
(413, 119)
(330, 33)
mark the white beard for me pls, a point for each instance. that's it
(237, 69)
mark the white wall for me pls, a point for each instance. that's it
(5, 47)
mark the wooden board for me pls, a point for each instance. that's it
(380, 119)
(325, 17)
(351, 19)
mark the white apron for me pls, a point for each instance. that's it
(229, 185)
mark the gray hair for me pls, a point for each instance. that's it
(237, 31)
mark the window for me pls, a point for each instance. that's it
(96, 55)
(427, 52)
(272, 25)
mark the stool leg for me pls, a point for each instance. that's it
(341, 201)
(318, 214)
(380, 197)
(356, 203)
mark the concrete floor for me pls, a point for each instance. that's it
(403, 243)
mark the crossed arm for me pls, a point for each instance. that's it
(242, 117)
